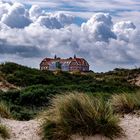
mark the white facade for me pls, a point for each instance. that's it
(65, 66)
(52, 66)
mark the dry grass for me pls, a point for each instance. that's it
(79, 114)
(4, 111)
(126, 103)
(4, 133)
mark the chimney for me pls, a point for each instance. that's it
(74, 56)
(55, 57)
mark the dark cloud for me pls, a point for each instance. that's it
(20, 50)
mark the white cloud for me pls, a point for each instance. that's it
(56, 20)
(128, 16)
(124, 25)
(103, 43)
(3, 8)
(17, 16)
(124, 29)
(99, 27)
(35, 11)
(127, 9)
(49, 22)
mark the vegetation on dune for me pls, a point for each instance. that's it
(4, 132)
(82, 104)
(17, 109)
(37, 87)
(4, 113)
(25, 104)
(114, 81)
(126, 102)
(4, 110)
(79, 114)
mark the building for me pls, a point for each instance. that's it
(69, 64)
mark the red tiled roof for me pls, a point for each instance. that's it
(80, 61)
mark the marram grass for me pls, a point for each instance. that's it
(79, 114)
(126, 102)
(4, 133)
(4, 110)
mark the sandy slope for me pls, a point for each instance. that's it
(130, 125)
(22, 130)
(138, 80)
(5, 86)
(29, 130)
(135, 81)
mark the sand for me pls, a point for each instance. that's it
(22, 130)
(138, 80)
(29, 130)
(130, 125)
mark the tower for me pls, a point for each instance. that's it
(55, 57)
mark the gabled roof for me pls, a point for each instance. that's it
(80, 61)
(47, 59)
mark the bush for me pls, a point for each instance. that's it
(37, 95)
(126, 102)
(79, 114)
(23, 113)
(4, 110)
(4, 132)
(12, 96)
(114, 81)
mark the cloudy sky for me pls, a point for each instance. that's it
(105, 32)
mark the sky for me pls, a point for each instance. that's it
(104, 32)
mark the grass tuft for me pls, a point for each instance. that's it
(4, 111)
(4, 132)
(126, 103)
(79, 114)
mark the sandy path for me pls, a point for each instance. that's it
(29, 130)
(22, 130)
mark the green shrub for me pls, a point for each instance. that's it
(12, 96)
(79, 114)
(23, 113)
(37, 95)
(4, 132)
(113, 81)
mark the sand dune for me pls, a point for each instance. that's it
(5, 86)
(23, 130)
(130, 125)
(29, 130)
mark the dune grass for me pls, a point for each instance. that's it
(4, 110)
(126, 102)
(79, 114)
(4, 133)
